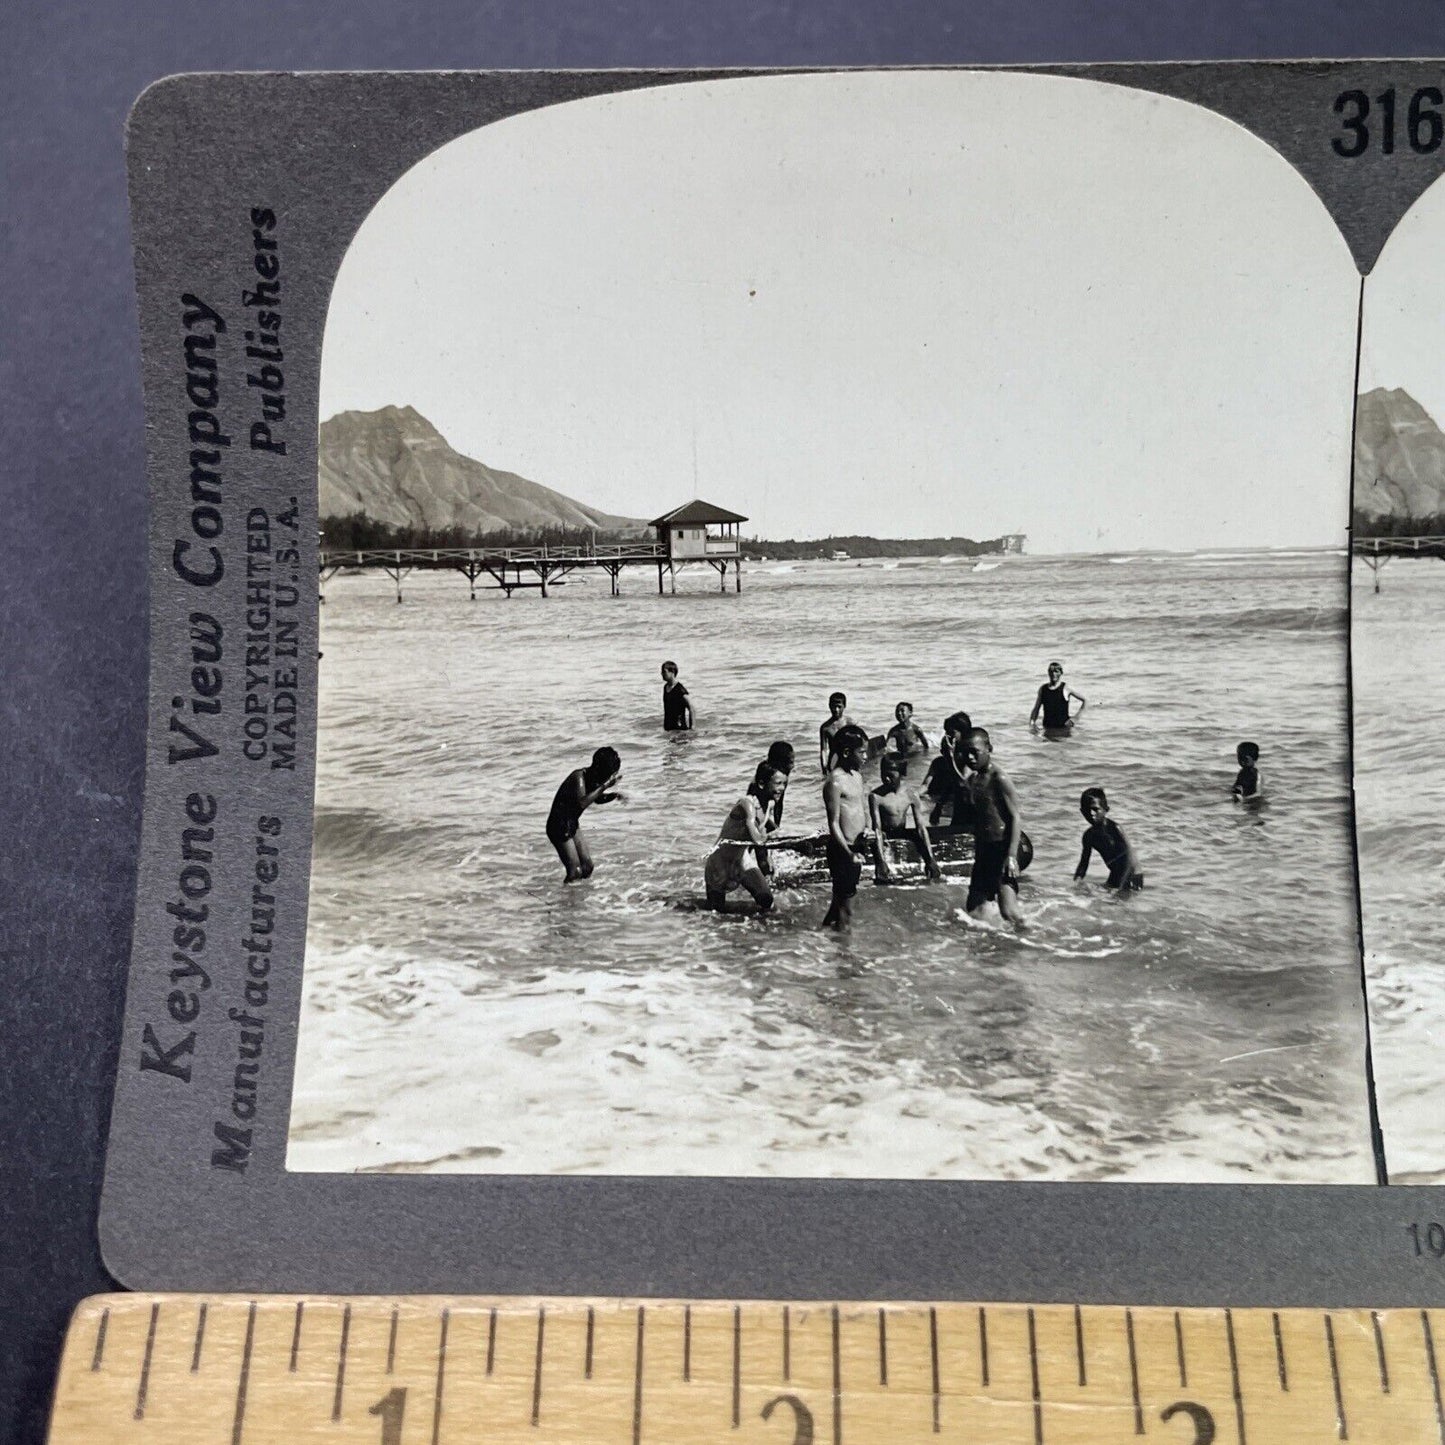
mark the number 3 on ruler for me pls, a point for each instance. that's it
(392, 1409)
(1424, 127)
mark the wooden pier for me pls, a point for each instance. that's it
(1377, 552)
(513, 568)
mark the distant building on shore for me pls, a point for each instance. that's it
(1014, 541)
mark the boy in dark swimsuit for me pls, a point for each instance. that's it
(893, 811)
(996, 832)
(946, 775)
(1053, 701)
(579, 790)
(1106, 838)
(676, 708)
(1249, 783)
(847, 819)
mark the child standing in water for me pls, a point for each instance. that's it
(733, 862)
(905, 738)
(836, 720)
(1249, 783)
(894, 813)
(843, 799)
(676, 707)
(946, 774)
(1053, 701)
(996, 832)
(579, 790)
(1106, 838)
(780, 757)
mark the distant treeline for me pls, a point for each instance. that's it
(360, 533)
(874, 547)
(1430, 525)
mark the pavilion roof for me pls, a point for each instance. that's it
(694, 513)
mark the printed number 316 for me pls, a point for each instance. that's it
(1424, 127)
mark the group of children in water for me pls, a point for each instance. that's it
(967, 789)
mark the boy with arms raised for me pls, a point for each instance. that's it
(843, 798)
(996, 831)
(895, 814)
(733, 862)
(579, 790)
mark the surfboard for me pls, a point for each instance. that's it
(805, 854)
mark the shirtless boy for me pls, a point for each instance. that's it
(905, 738)
(894, 813)
(733, 862)
(837, 719)
(1106, 838)
(843, 798)
(1053, 701)
(780, 757)
(579, 790)
(996, 831)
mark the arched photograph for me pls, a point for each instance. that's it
(836, 610)
(1398, 604)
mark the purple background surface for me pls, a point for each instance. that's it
(72, 624)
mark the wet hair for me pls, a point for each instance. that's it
(764, 774)
(958, 722)
(1053, 665)
(1247, 752)
(892, 764)
(908, 705)
(851, 736)
(837, 697)
(605, 763)
(780, 755)
(981, 734)
(669, 667)
(1092, 795)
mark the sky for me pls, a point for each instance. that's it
(904, 305)
(1405, 308)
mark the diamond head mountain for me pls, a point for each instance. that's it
(1399, 462)
(394, 466)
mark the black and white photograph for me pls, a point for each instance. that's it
(835, 643)
(1398, 602)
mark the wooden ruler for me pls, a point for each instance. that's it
(422, 1371)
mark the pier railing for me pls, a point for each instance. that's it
(1376, 552)
(337, 557)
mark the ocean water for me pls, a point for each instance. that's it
(1400, 803)
(465, 1011)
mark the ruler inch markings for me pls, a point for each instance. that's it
(1342, 1425)
(243, 1379)
(1280, 1365)
(436, 1414)
(1034, 1379)
(1434, 1369)
(933, 1360)
(341, 1347)
(200, 1338)
(537, 1366)
(1234, 1376)
(888, 1367)
(142, 1388)
(1380, 1352)
(100, 1329)
(637, 1377)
